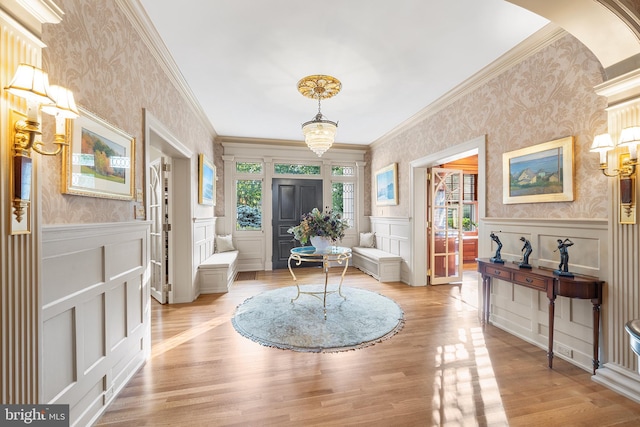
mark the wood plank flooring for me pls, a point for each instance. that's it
(442, 369)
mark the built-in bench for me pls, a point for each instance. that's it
(217, 272)
(382, 265)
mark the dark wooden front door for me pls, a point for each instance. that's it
(291, 199)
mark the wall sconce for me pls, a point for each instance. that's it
(32, 84)
(626, 171)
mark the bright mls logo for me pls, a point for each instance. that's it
(34, 415)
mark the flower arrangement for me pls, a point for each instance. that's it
(315, 223)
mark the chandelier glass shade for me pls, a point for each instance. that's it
(319, 133)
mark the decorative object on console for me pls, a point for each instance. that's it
(100, 159)
(32, 84)
(542, 173)
(323, 224)
(526, 249)
(563, 268)
(319, 133)
(626, 168)
(497, 258)
(387, 185)
(206, 181)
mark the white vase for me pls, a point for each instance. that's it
(320, 243)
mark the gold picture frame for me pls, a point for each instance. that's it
(538, 174)
(206, 181)
(100, 159)
(387, 185)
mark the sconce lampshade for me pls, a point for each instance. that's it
(602, 144)
(65, 105)
(630, 137)
(30, 83)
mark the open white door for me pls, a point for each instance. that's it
(160, 228)
(445, 226)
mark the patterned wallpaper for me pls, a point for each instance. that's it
(96, 53)
(547, 96)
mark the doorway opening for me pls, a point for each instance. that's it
(171, 212)
(419, 206)
(291, 199)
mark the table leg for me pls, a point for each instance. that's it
(295, 280)
(486, 299)
(552, 309)
(326, 281)
(596, 336)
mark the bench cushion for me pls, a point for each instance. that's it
(219, 260)
(376, 254)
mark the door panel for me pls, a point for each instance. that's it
(291, 199)
(445, 226)
(159, 236)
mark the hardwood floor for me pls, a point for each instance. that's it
(442, 369)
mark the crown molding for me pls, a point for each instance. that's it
(150, 37)
(284, 143)
(31, 14)
(621, 89)
(533, 44)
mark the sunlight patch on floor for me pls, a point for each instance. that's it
(457, 398)
(182, 337)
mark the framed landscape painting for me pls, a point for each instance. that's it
(541, 173)
(206, 181)
(100, 159)
(387, 185)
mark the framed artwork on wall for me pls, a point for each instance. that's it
(206, 181)
(541, 173)
(387, 185)
(100, 159)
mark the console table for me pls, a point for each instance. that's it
(332, 254)
(545, 281)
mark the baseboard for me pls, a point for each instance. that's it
(620, 380)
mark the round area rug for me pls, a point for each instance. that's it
(361, 319)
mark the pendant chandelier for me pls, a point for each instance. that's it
(319, 133)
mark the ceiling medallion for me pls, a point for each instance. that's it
(319, 133)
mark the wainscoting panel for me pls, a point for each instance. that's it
(393, 235)
(204, 234)
(525, 312)
(251, 252)
(95, 313)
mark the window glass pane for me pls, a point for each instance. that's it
(470, 187)
(343, 200)
(245, 167)
(343, 171)
(283, 168)
(469, 217)
(453, 186)
(249, 204)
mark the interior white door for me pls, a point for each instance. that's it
(445, 226)
(159, 236)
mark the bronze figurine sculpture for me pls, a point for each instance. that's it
(497, 258)
(563, 268)
(526, 252)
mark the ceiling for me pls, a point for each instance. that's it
(243, 58)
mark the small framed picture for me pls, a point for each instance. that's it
(206, 181)
(100, 159)
(541, 173)
(387, 185)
